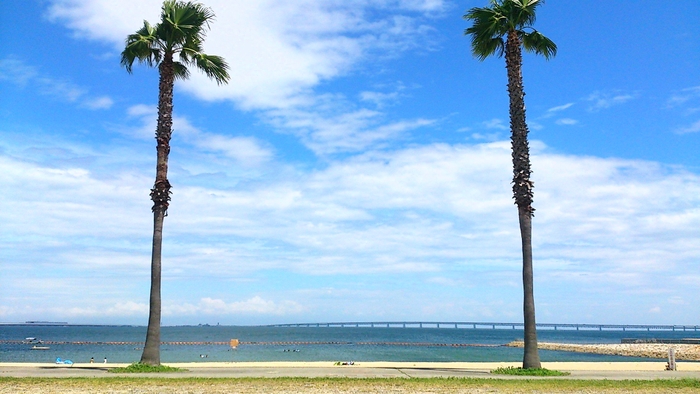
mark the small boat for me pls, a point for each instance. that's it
(35, 347)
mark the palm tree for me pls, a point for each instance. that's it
(181, 31)
(505, 28)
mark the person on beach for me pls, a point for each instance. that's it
(105, 360)
(92, 360)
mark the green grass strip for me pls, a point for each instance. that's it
(529, 372)
(145, 368)
(288, 384)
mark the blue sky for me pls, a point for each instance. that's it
(356, 168)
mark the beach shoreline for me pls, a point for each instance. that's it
(577, 365)
(654, 368)
(639, 366)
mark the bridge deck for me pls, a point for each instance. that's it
(493, 325)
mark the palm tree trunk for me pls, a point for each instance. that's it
(531, 357)
(151, 350)
(160, 194)
(522, 190)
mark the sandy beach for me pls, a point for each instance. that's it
(603, 370)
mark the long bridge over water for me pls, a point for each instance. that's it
(495, 326)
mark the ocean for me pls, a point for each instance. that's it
(122, 344)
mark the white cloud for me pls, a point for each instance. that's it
(693, 128)
(490, 137)
(494, 124)
(682, 97)
(434, 211)
(340, 210)
(247, 151)
(560, 108)
(379, 99)
(127, 308)
(605, 100)
(279, 53)
(566, 122)
(277, 50)
(219, 307)
(102, 102)
(18, 72)
(331, 130)
(534, 125)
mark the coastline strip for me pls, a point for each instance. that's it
(647, 350)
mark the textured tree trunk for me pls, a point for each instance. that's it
(531, 358)
(522, 190)
(160, 194)
(151, 350)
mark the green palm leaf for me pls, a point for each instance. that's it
(491, 24)
(181, 32)
(213, 66)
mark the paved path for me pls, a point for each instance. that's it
(612, 371)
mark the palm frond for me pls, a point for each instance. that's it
(487, 31)
(522, 12)
(180, 71)
(191, 47)
(141, 46)
(213, 66)
(181, 31)
(537, 43)
(183, 20)
(491, 24)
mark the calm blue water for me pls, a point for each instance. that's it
(351, 348)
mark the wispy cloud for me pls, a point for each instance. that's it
(495, 124)
(693, 128)
(683, 96)
(305, 43)
(378, 98)
(329, 128)
(102, 102)
(566, 122)
(435, 209)
(18, 72)
(490, 137)
(247, 151)
(219, 307)
(560, 108)
(605, 100)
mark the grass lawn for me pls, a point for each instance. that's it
(153, 384)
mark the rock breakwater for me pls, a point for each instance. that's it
(647, 350)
